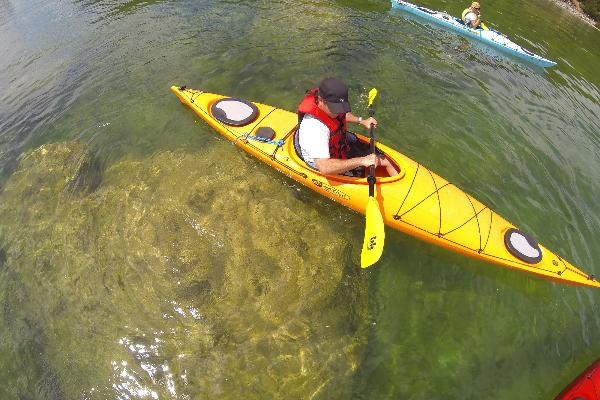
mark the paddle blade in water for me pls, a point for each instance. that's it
(374, 235)
(372, 95)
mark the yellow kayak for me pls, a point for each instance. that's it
(417, 201)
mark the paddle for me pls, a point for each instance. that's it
(374, 227)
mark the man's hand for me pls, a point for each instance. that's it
(367, 122)
(376, 160)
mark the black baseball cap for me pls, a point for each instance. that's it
(335, 94)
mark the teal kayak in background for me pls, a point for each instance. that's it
(487, 36)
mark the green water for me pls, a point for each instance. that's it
(143, 257)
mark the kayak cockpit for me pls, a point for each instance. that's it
(358, 175)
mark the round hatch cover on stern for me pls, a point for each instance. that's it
(234, 112)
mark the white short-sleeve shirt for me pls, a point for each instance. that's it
(470, 17)
(313, 136)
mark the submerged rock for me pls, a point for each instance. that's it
(178, 276)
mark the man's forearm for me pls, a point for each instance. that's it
(352, 118)
(330, 166)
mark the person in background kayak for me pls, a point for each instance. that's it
(472, 16)
(323, 138)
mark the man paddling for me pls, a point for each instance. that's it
(471, 16)
(324, 141)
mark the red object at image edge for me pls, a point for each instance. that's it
(585, 387)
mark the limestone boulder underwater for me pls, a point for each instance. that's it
(175, 276)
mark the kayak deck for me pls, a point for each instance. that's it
(417, 201)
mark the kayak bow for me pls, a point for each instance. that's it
(416, 201)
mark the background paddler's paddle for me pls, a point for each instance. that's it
(374, 227)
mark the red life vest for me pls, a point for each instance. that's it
(338, 140)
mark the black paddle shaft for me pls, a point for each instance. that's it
(371, 178)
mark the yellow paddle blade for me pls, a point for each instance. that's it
(374, 235)
(372, 95)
